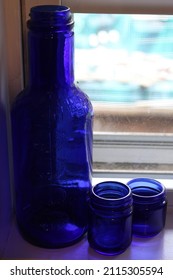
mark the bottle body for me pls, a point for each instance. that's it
(52, 143)
(149, 206)
(110, 218)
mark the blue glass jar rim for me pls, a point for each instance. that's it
(141, 180)
(111, 196)
(115, 184)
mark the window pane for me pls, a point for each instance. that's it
(125, 65)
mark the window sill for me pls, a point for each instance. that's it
(155, 248)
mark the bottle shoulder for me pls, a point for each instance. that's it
(69, 97)
(81, 99)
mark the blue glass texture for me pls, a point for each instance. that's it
(149, 206)
(110, 218)
(52, 136)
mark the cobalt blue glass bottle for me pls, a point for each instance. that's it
(110, 218)
(149, 206)
(52, 136)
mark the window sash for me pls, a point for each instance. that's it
(121, 6)
(130, 147)
(133, 148)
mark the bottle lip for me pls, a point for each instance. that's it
(49, 8)
(152, 185)
(110, 192)
(50, 17)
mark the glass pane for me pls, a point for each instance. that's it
(125, 65)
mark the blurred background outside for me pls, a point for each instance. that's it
(125, 65)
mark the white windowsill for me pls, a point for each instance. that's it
(159, 247)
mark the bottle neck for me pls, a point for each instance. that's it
(50, 46)
(51, 57)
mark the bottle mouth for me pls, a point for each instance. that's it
(49, 8)
(146, 190)
(54, 17)
(111, 194)
(111, 190)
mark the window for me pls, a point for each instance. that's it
(133, 119)
(125, 64)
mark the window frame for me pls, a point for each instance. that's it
(121, 6)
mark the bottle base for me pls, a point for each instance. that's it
(51, 229)
(52, 240)
(145, 231)
(145, 235)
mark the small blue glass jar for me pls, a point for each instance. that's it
(110, 218)
(149, 206)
